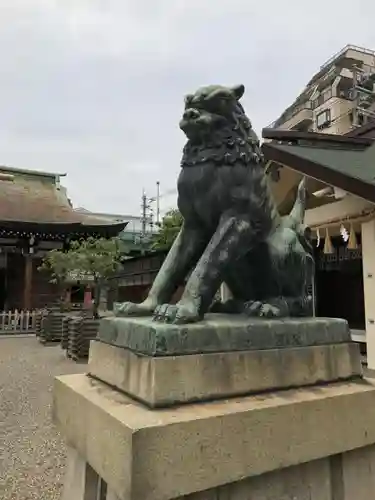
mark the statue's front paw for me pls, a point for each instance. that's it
(253, 307)
(270, 311)
(132, 309)
(176, 314)
(264, 309)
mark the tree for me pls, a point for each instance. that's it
(169, 229)
(96, 259)
(59, 265)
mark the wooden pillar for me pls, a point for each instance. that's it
(28, 278)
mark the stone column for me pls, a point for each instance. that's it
(368, 261)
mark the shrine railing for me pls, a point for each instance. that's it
(17, 322)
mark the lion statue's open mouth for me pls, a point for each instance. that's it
(208, 110)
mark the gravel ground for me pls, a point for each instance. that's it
(32, 453)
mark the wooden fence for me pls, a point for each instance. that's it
(17, 322)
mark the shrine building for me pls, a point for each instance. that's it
(36, 216)
(340, 172)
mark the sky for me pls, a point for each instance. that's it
(94, 88)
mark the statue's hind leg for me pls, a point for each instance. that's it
(291, 268)
(279, 307)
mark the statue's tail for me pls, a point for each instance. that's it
(297, 214)
(295, 220)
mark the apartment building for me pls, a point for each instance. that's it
(328, 123)
(338, 98)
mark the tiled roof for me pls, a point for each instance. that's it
(36, 200)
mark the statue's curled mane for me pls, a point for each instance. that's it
(233, 143)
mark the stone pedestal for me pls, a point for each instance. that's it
(266, 410)
(223, 357)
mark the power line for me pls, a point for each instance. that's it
(170, 191)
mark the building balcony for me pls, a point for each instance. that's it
(346, 74)
(348, 55)
(300, 118)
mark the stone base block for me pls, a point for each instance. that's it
(221, 333)
(163, 381)
(236, 449)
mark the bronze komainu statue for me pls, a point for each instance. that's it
(232, 231)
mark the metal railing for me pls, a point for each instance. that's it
(290, 114)
(345, 49)
(17, 322)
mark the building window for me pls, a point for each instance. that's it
(322, 98)
(327, 94)
(323, 119)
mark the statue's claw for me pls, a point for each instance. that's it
(160, 312)
(132, 309)
(269, 311)
(264, 309)
(176, 314)
(253, 308)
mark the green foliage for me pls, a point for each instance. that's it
(169, 229)
(58, 264)
(95, 259)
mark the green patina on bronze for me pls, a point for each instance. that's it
(232, 231)
(220, 333)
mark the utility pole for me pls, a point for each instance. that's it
(146, 218)
(158, 198)
(144, 213)
(158, 203)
